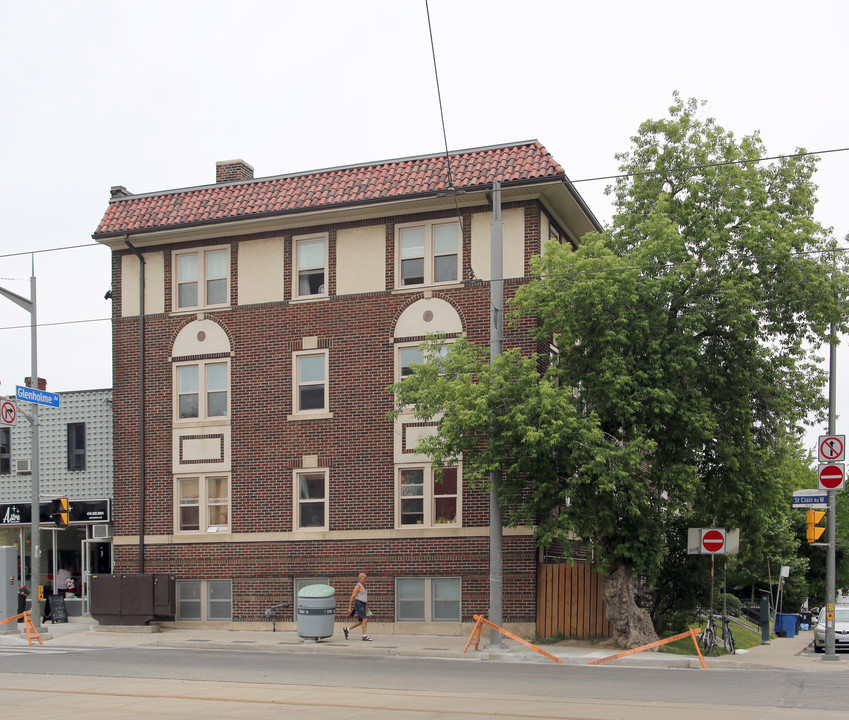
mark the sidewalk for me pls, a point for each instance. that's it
(785, 653)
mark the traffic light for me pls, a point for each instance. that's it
(814, 517)
(61, 512)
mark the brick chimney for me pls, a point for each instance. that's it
(232, 171)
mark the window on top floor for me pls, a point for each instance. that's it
(5, 450)
(310, 261)
(428, 253)
(201, 278)
(76, 446)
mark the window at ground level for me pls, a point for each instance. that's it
(205, 600)
(426, 498)
(203, 503)
(427, 599)
(299, 584)
(428, 253)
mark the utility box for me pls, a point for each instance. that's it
(133, 599)
(9, 589)
(316, 612)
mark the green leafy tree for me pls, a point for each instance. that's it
(678, 358)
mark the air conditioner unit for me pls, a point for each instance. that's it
(23, 467)
(101, 532)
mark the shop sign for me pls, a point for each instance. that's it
(82, 511)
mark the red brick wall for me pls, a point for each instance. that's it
(356, 444)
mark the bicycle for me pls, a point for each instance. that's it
(708, 638)
(728, 637)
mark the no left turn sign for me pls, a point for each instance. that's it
(713, 541)
(8, 412)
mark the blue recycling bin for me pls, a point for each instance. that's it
(786, 624)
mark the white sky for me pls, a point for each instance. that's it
(150, 95)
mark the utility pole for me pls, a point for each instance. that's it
(32, 416)
(496, 344)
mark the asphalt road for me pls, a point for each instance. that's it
(730, 691)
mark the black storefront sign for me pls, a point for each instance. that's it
(82, 511)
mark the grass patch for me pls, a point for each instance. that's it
(745, 638)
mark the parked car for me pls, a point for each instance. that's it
(841, 629)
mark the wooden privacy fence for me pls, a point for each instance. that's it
(569, 601)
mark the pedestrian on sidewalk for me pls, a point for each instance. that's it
(358, 605)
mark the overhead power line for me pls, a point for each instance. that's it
(688, 168)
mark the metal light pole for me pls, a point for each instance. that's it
(830, 558)
(32, 416)
(496, 343)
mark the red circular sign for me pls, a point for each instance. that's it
(713, 540)
(831, 476)
(831, 448)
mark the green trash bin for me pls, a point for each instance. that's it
(316, 612)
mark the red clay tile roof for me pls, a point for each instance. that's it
(517, 163)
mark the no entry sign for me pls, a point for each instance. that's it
(832, 476)
(713, 541)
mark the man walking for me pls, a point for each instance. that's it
(358, 603)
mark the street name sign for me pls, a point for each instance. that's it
(832, 448)
(810, 499)
(832, 476)
(39, 397)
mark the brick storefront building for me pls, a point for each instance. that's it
(257, 324)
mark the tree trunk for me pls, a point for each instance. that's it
(632, 625)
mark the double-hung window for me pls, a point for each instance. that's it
(428, 253)
(202, 390)
(409, 354)
(311, 499)
(310, 276)
(201, 278)
(425, 498)
(310, 382)
(76, 446)
(203, 503)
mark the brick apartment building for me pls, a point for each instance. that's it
(253, 452)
